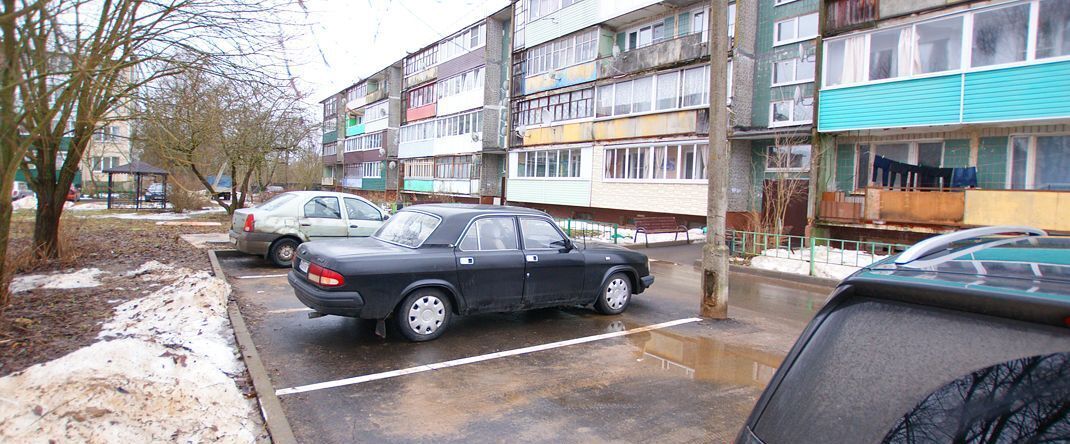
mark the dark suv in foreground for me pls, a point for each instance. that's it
(964, 337)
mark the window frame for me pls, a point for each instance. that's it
(698, 169)
(792, 122)
(796, 38)
(912, 156)
(523, 240)
(526, 161)
(304, 212)
(1031, 160)
(479, 248)
(789, 169)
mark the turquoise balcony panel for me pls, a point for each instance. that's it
(330, 137)
(355, 130)
(420, 185)
(373, 184)
(1019, 93)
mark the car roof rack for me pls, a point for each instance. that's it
(937, 243)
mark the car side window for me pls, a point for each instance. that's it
(324, 207)
(360, 210)
(489, 234)
(1024, 400)
(540, 234)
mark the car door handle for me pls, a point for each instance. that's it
(532, 258)
(306, 225)
(353, 226)
(467, 261)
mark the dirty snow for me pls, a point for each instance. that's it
(161, 372)
(89, 206)
(84, 278)
(603, 232)
(26, 203)
(831, 263)
(207, 240)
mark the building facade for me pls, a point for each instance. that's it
(452, 138)
(974, 95)
(368, 135)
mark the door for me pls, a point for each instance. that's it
(554, 272)
(321, 218)
(786, 199)
(490, 265)
(363, 218)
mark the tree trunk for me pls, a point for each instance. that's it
(46, 225)
(715, 253)
(5, 231)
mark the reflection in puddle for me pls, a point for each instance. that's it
(704, 358)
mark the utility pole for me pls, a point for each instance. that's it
(715, 253)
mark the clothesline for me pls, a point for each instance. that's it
(889, 172)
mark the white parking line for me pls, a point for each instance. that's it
(260, 276)
(474, 359)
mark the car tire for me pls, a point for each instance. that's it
(615, 295)
(282, 252)
(424, 315)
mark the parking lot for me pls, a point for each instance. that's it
(652, 373)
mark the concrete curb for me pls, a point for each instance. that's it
(826, 283)
(270, 407)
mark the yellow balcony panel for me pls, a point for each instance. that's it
(661, 124)
(1048, 210)
(568, 133)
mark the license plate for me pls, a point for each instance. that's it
(303, 266)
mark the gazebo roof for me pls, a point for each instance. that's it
(136, 167)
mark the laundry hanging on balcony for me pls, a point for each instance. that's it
(889, 173)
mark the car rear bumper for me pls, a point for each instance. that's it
(339, 303)
(252, 243)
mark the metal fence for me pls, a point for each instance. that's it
(815, 250)
(589, 229)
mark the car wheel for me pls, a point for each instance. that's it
(615, 295)
(282, 252)
(424, 315)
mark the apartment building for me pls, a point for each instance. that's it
(610, 109)
(968, 104)
(331, 126)
(452, 137)
(368, 135)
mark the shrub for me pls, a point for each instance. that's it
(184, 201)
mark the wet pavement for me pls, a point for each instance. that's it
(690, 382)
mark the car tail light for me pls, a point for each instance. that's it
(325, 277)
(250, 223)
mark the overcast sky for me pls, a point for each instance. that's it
(340, 41)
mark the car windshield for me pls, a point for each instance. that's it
(276, 201)
(408, 228)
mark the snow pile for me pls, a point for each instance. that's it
(604, 232)
(830, 263)
(26, 203)
(84, 278)
(160, 373)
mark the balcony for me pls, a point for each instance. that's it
(327, 181)
(671, 52)
(845, 15)
(1049, 210)
(330, 137)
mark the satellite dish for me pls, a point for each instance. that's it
(392, 164)
(475, 137)
(382, 152)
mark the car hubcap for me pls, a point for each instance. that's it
(617, 293)
(286, 252)
(426, 315)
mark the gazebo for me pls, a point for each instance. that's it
(139, 170)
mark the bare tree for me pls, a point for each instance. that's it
(788, 163)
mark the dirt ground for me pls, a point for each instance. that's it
(42, 324)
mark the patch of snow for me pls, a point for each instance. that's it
(161, 372)
(26, 203)
(603, 232)
(151, 270)
(84, 278)
(832, 263)
(203, 240)
(89, 206)
(144, 216)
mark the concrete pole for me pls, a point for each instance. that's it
(715, 253)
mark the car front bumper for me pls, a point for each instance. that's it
(252, 243)
(645, 282)
(339, 303)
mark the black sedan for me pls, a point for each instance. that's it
(431, 262)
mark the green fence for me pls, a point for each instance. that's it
(589, 229)
(815, 250)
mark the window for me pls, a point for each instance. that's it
(330, 149)
(490, 234)
(1053, 31)
(421, 61)
(668, 90)
(556, 108)
(925, 153)
(360, 210)
(364, 142)
(885, 58)
(999, 35)
(791, 112)
(424, 95)
(662, 162)
(542, 8)
(549, 163)
(408, 228)
(462, 42)
(323, 207)
(420, 168)
(330, 124)
(357, 92)
(696, 89)
(795, 29)
(372, 170)
(101, 163)
(329, 107)
(939, 45)
(377, 111)
(540, 234)
(795, 70)
(458, 124)
(453, 167)
(788, 158)
(418, 131)
(664, 91)
(110, 133)
(1040, 163)
(567, 51)
(468, 81)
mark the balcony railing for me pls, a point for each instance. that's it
(883, 205)
(842, 15)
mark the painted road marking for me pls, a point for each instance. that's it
(261, 276)
(289, 310)
(474, 359)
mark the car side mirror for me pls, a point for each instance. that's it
(386, 216)
(569, 245)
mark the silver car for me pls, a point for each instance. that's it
(275, 228)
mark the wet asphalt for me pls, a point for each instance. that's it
(683, 383)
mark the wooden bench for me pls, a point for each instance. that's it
(660, 224)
